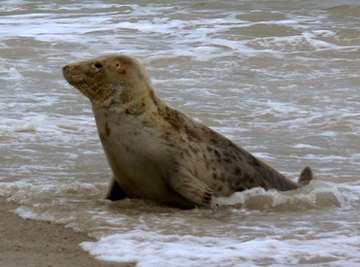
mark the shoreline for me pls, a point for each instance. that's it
(26, 242)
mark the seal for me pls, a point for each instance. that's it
(157, 152)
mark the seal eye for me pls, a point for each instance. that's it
(98, 65)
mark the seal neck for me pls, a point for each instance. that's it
(129, 101)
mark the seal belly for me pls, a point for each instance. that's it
(136, 159)
(140, 179)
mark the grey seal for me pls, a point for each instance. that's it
(157, 152)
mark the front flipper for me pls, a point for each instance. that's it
(192, 189)
(115, 192)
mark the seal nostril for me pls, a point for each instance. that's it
(98, 65)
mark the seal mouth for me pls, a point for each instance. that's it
(76, 80)
(66, 74)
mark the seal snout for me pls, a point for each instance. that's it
(65, 67)
(71, 75)
(65, 71)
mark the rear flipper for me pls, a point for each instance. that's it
(305, 176)
(115, 192)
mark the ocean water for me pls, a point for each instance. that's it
(280, 78)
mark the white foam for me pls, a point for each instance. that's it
(157, 249)
(10, 126)
(191, 246)
(7, 189)
(306, 146)
(316, 195)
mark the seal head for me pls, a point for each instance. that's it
(108, 80)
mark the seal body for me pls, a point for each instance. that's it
(155, 151)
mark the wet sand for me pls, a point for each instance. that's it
(41, 244)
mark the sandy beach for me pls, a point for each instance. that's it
(41, 244)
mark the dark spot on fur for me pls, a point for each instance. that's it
(207, 163)
(215, 176)
(192, 134)
(213, 140)
(217, 155)
(193, 149)
(232, 145)
(142, 102)
(247, 177)
(170, 144)
(152, 96)
(222, 177)
(235, 152)
(220, 188)
(124, 97)
(173, 117)
(226, 154)
(107, 130)
(237, 171)
(255, 161)
(122, 71)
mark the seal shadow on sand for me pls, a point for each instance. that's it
(158, 153)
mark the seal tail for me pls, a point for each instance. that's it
(305, 176)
